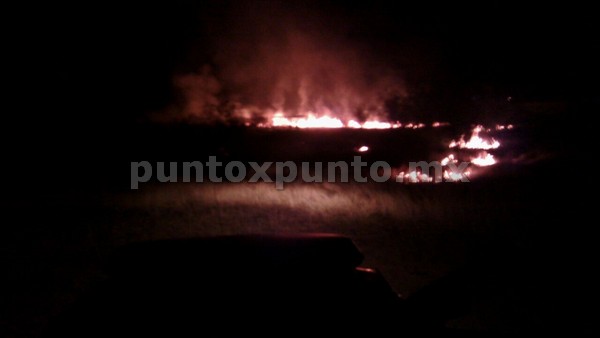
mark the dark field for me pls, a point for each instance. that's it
(525, 252)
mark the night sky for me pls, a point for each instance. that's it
(106, 64)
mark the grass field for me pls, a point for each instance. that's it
(511, 231)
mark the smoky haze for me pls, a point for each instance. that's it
(268, 58)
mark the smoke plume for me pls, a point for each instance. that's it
(267, 58)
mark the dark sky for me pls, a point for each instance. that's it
(106, 64)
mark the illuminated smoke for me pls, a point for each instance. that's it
(268, 61)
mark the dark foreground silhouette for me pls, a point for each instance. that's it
(237, 286)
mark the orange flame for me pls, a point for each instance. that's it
(503, 127)
(311, 121)
(279, 120)
(451, 176)
(476, 141)
(483, 159)
(448, 159)
(375, 125)
(413, 176)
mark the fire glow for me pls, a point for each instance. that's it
(310, 121)
(483, 159)
(476, 141)
(503, 127)
(451, 176)
(479, 140)
(448, 159)
(414, 177)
